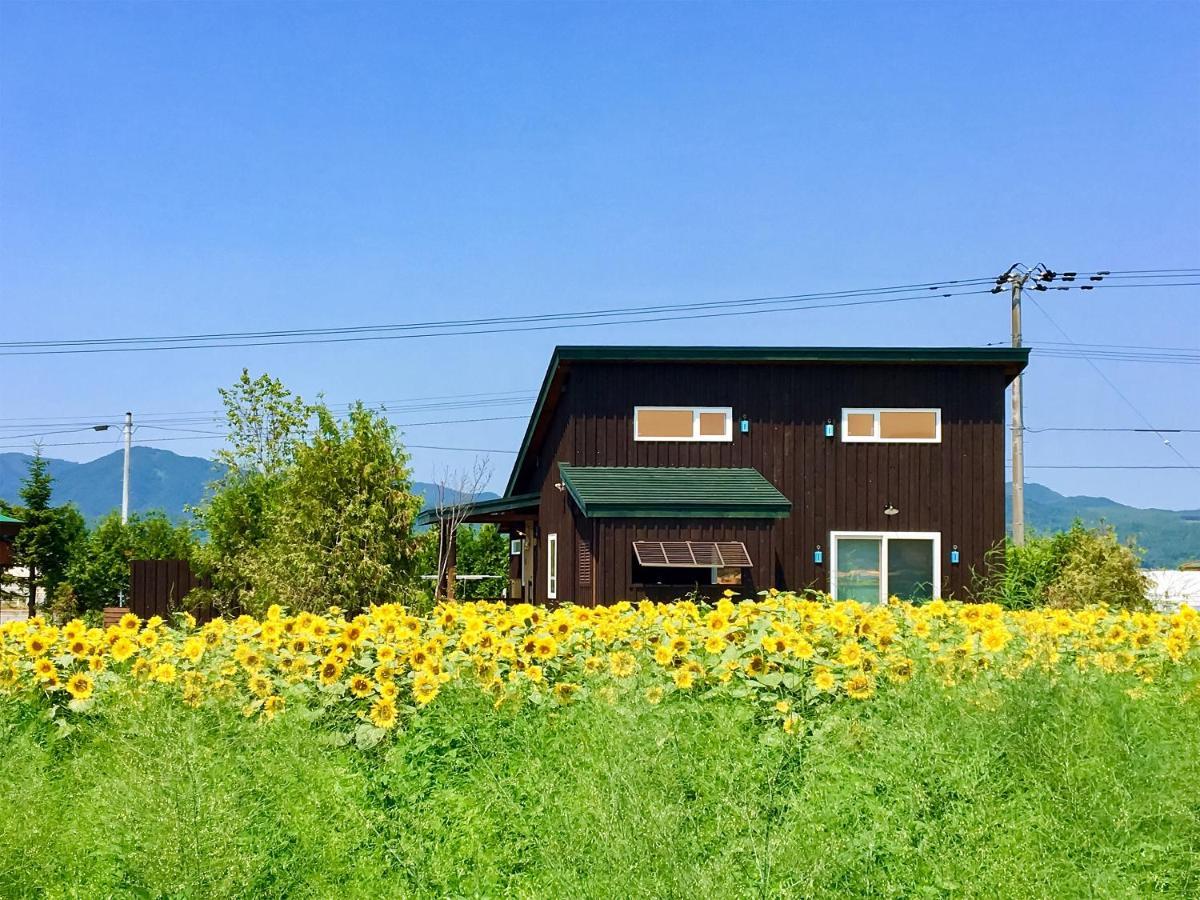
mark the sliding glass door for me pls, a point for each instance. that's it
(870, 567)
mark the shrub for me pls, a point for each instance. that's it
(1068, 570)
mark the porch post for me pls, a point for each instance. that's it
(449, 548)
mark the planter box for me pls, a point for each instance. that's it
(112, 614)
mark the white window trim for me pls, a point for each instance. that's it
(874, 438)
(552, 566)
(696, 411)
(935, 536)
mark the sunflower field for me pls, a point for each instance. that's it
(783, 745)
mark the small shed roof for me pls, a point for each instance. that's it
(479, 508)
(4, 518)
(653, 492)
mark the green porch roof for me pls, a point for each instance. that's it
(4, 518)
(483, 507)
(659, 493)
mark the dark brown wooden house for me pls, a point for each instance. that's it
(655, 471)
(8, 533)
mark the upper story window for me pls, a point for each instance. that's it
(683, 423)
(892, 425)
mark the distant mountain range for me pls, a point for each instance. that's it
(170, 482)
(159, 479)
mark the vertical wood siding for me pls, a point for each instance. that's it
(157, 587)
(955, 487)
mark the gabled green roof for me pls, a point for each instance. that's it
(644, 492)
(1012, 359)
(4, 518)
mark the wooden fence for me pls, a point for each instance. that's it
(158, 586)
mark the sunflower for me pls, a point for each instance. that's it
(995, 639)
(900, 670)
(260, 685)
(824, 680)
(714, 643)
(383, 713)
(361, 686)
(129, 622)
(850, 654)
(45, 671)
(622, 664)
(424, 687)
(331, 671)
(272, 705)
(546, 647)
(654, 694)
(80, 686)
(164, 673)
(564, 691)
(860, 686)
(684, 678)
(36, 644)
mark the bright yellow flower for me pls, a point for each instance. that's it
(425, 687)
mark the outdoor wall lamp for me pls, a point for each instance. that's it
(818, 555)
(829, 428)
(745, 425)
(890, 510)
(954, 555)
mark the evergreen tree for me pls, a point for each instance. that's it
(50, 534)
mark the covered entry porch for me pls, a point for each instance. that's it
(515, 517)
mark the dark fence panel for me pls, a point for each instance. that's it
(158, 586)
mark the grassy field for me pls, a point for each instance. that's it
(1004, 780)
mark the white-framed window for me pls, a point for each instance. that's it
(683, 423)
(552, 566)
(892, 425)
(870, 566)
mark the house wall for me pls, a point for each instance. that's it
(955, 487)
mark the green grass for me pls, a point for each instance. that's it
(1040, 790)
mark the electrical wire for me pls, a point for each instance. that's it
(1166, 442)
(788, 307)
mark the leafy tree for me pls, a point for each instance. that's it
(266, 423)
(99, 571)
(49, 536)
(482, 551)
(341, 525)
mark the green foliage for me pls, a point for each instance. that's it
(99, 570)
(265, 424)
(341, 527)
(49, 536)
(307, 519)
(482, 550)
(920, 792)
(64, 604)
(1069, 569)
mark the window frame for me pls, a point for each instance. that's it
(884, 537)
(552, 566)
(697, 437)
(875, 437)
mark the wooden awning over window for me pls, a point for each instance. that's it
(692, 554)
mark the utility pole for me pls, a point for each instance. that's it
(1018, 431)
(125, 480)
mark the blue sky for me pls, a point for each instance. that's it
(189, 167)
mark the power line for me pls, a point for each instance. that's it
(1166, 442)
(536, 317)
(789, 306)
